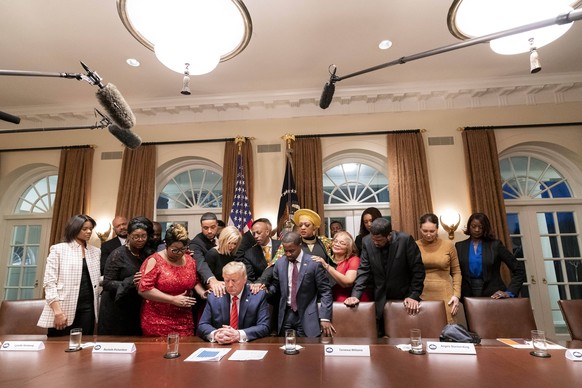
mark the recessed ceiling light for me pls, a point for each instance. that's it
(385, 44)
(133, 62)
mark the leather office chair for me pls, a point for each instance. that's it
(359, 321)
(21, 316)
(500, 318)
(431, 319)
(572, 312)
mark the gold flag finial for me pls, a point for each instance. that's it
(288, 137)
(239, 141)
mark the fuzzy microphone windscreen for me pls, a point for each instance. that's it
(129, 139)
(114, 103)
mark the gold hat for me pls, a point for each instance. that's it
(313, 217)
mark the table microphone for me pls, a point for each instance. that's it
(128, 138)
(10, 118)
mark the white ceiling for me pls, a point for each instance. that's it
(292, 45)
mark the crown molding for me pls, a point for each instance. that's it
(460, 94)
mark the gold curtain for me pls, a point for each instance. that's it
(308, 170)
(229, 175)
(137, 184)
(73, 188)
(408, 181)
(484, 178)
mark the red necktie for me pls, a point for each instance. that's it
(294, 274)
(234, 313)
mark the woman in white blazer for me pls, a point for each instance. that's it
(71, 279)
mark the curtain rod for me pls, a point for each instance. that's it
(516, 126)
(48, 148)
(362, 133)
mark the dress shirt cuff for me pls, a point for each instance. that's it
(209, 279)
(210, 336)
(511, 294)
(324, 320)
(243, 336)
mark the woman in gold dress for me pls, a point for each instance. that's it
(443, 273)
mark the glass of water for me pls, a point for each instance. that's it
(290, 341)
(540, 346)
(173, 345)
(75, 337)
(416, 341)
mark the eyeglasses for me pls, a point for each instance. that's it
(139, 237)
(340, 242)
(178, 250)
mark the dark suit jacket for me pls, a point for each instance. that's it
(253, 315)
(254, 260)
(494, 252)
(313, 281)
(106, 248)
(199, 246)
(403, 276)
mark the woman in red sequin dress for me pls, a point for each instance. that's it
(168, 278)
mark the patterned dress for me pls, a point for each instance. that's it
(158, 318)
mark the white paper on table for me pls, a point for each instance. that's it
(404, 347)
(245, 355)
(208, 354)
(520, 343)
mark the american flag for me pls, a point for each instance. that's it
(240, 214)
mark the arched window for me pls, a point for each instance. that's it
(28, 227)
(543, 217)
(352, 182)
(190, 188)
(527, 177)
(194, 188)
(39, 197)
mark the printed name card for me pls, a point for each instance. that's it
(450, 347)
(574, 354)
(347, 350)
(114, 347)
(32, 346)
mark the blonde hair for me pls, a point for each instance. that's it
(175, 233)
(228, 235)
(351, 247)
(233, 267)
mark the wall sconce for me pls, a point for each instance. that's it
(103, 234)
(450, 221)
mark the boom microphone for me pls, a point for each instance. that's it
(114, 103)
(128, 138)
(328, 89)
(10, 118)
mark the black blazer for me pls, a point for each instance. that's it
(403, 276)
(106, 248)
(494, 252)
(254, 259)
(200, 246)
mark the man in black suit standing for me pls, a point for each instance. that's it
(299, 281)
(258, 257)
(391, 263)
(119, 224)
(200, 245)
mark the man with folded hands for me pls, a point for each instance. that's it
(239, 315)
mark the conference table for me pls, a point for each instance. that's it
(494, 365)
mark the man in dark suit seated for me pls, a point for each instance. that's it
(259, 256)
(239, 316)
(119, 224)
(298, 280)
(391, 263)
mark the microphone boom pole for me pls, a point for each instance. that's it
(564, 18)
